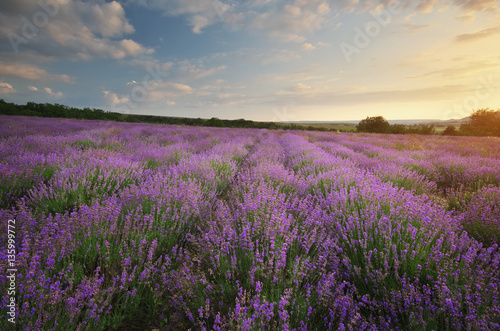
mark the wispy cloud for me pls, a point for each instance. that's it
(178, 71)
(199, 14)
(417, 27)
(6, 89)
(32, 72)
(460, 70)
(476, 5)
(308, 47)
(467, 37)
(53, 93)
(169, 91)
(317, 95)
(277, 55)
(112, 99)
(289, 21)
(297, 89)
(466, 18)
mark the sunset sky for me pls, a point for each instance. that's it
(258, 59)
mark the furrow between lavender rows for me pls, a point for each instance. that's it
(263, 257)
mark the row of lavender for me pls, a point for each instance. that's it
(131, 225)
(460, 173)
(100, 208)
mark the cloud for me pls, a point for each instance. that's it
(178, 71)
(144, 64)
(297, 89)
(31, 72)
(461, 69)
(112, 99)
(74, 29)
(427, 6)
(324, 95)
(106, 19)
(187, 71)
(150, 92)
(308, 47)
(291, 21)
(271, 56)
(6, 89)
(417, 27)
(33, 88)
(467, 37)
(287, 22)
(199, 14)
(475, 5)
(167, 91)
(466, 17)
(131, 48)
(52, 93)
(162, 83)
(183, 88)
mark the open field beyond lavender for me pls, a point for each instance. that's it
(140, 227)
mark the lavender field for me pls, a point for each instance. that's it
(122, 226)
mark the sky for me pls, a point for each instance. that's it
(264, 60)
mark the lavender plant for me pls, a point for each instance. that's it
(142, 226)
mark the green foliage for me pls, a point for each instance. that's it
(215, 122)
(398, 129)
(61, 111)
(450, 131)
(421, 129)
(482, 122)
(14, 187)
(377, 124)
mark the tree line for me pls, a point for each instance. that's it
(62, 111)
(482, 122)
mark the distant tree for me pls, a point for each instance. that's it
(450, 131)
(215, 122)
(482, 122)
(421, 129)
(398, 128)
(377, 124)
(7, 108)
